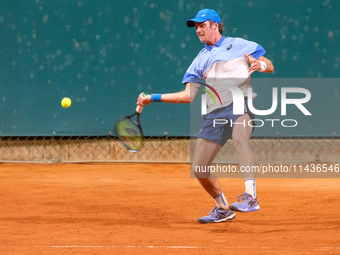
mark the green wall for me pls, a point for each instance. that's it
(102, 54)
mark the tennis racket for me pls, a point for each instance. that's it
(129, 131)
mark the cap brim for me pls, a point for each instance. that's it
(191, 22)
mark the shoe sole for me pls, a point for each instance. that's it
(230, 217)
(253, 209)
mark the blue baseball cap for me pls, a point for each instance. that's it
(204, 15)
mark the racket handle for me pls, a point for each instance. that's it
(139, 109)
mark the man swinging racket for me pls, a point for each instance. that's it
(222, 58)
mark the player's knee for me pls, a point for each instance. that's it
(241, 142)
(200, 171)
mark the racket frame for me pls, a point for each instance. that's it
(135, 123)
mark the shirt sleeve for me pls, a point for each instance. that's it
(194, 73)
(251, 48)
(259, 52)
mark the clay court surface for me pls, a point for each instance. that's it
(153, 209)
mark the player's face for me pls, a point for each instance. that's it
(205, 32)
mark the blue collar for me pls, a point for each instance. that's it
(218, 44)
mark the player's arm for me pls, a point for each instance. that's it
(182, 97)
(269, 64)
(261, 64)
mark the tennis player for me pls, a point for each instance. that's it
(222, 59)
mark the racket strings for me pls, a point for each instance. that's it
(129, 134)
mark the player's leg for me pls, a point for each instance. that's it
(247, 201)
(204, 154)
(241, 136)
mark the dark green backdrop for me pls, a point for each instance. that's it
(102, 54)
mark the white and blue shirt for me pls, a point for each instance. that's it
(224, 63)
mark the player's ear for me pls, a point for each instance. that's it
(216, 26)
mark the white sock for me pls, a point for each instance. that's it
(221, 202)
(250, 187)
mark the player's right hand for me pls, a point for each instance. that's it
(144, 100)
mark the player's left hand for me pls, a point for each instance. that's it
(143, 100)
(254, 64)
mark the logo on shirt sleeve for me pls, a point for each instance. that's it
(229, 47)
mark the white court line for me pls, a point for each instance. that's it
(157, 247)
(329, 248)
(83, 246)
(101, 246)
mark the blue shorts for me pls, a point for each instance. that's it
(221, 132)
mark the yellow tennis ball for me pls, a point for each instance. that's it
(66, 102)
